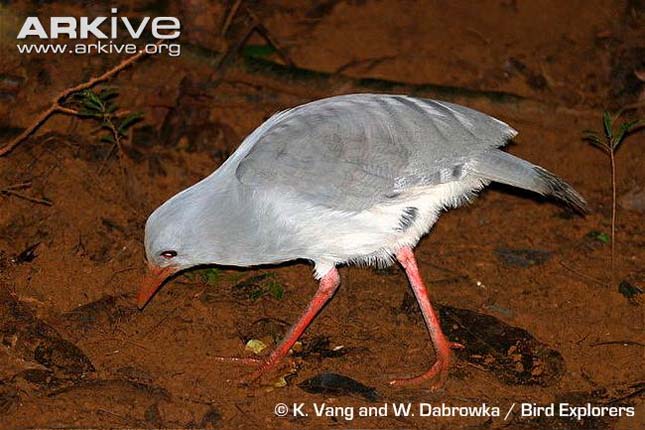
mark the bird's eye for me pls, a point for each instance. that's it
(169, 254)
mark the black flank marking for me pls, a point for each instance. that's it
(408, 217)
(457, 172)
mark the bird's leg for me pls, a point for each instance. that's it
(328, 286)
(443, 347)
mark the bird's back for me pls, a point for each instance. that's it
(352, 152)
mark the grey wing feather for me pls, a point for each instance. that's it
(352, 152)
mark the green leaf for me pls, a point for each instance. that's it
(210, 276)
(275, 289)
(592, 136)
(256, 294)
(91, 95)
(107, 93)
(595, 140)
(633, 125)
(607, 121)
(90, 104)
(84, 112)
(622, 130)
(601, 145)
(108, 138)
(257, 51)
(91, 101)
(129, 121)
(590, 133)
(599, 236)
(111, 108)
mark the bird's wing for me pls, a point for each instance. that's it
(352, 152)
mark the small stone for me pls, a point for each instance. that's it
(255, 346)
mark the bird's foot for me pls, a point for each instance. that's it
(438, 373)
(263, 367)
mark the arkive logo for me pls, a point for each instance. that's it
(105, 29)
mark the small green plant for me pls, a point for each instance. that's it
(101, 106)
(598, 236)
(255, 287)
(209, 276)
(271, 287)
(613, 135)
(275, 289)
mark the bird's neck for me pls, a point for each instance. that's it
(232, 222)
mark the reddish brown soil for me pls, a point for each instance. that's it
(75, 351)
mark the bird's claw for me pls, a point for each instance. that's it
(246, 361)
(456, 345)
(263, 367)
(438, 373)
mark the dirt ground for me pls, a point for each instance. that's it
(522, 281)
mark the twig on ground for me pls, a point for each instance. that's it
(68, 111)
(127, 419)
(56, 106)
(618, 342)
(11, 190)
(227, 58)
(368, 63)
(266, 34)
(105, 159)
(229, 17)
(261, 86)
(20, 186)
(638, 389)
(582, 275)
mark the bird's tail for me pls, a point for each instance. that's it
(502, 167)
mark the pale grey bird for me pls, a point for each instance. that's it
(349, 179)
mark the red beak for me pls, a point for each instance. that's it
(152, 282)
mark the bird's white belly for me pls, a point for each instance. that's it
(372, 237)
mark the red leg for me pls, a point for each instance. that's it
(443, 347)
(328, 286)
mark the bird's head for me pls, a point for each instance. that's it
(196, 227)
(169, 243)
